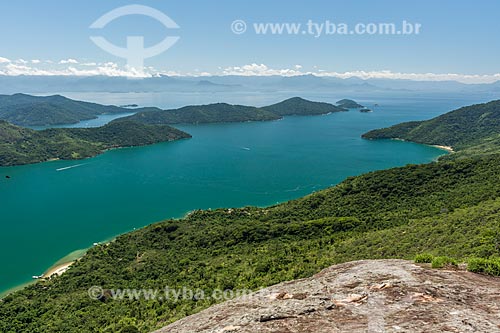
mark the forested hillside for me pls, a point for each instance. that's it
(446, 208)
(196, 114)
(20, 145)
(471, 130)
(222, 112)
(443, 208)
(27, 110)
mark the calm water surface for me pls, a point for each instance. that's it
(46, 214)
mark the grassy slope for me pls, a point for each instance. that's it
(22, 146)
(446, 208)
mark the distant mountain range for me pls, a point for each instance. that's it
(233, 83)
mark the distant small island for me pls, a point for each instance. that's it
(349, 104)
(297, 106)
(365, 110)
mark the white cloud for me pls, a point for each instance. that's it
(106, 69)
(263, 70)
(14, 69)
(68, 61)
(259, 70)
(386, 74)
(76, 68)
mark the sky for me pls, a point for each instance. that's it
(457, 39)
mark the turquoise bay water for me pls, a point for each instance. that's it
(97, 122)
(46, 214)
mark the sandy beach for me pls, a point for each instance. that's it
(58, 270)
(55, 270)
(447, 148)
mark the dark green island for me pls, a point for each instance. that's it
(223, 112)
(20, 145)
(27, 110)
(349, 104)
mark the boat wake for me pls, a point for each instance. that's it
(70, 167)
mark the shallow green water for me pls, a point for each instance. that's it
(46, 214)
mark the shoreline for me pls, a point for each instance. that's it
(60, 266)
(57, 270)
(447, 148)
(15, 288)
(63, 264)
(103, 151)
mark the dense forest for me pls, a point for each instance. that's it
(222, 112)
(27, 110)
(23, 146)
(446, 208)
(20, 145)
(470, 130)
(297, 106)
(197, 114)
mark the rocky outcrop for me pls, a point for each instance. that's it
(362, 296)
